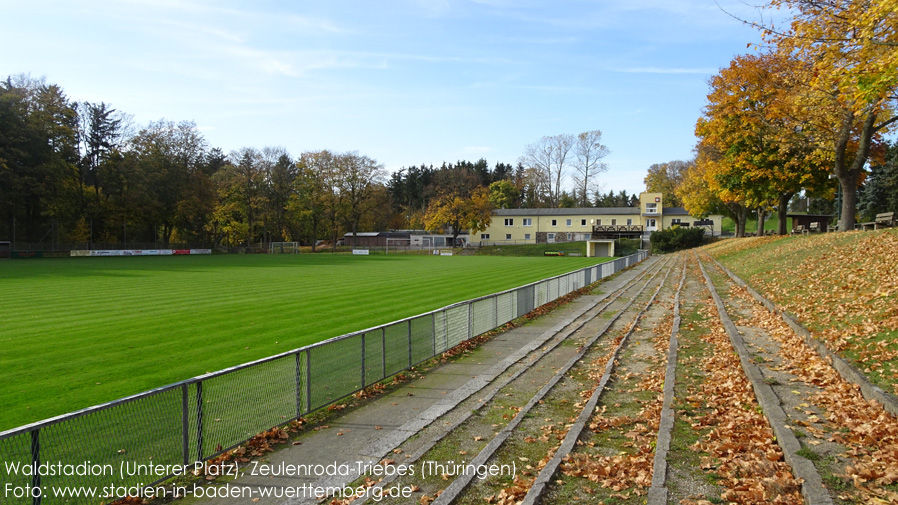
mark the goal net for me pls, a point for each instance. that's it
(397, 244)
(283, 248)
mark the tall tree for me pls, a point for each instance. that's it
(547, 161)
(102, 133)
(167, 153)
(665, 177)
(880, 191)
(589, 153)
(280, 172)
(504, 194)
(312, 193)
(360, 176)
(849, 78)
(460, 212)
(702, 196)
(766, 149)
(38, 147)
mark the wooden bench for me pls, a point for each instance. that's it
(814, 227)
(798, 230)
(883, 220)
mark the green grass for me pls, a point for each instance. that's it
(771, 223)
(532, 249)
(78, 332)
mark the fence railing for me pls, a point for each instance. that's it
(138, 441)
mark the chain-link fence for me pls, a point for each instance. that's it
(122, 447)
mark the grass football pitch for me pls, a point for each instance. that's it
(78, 332)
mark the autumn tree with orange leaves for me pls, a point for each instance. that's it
(849, 79)
(701, 195)
(763, 150)
(460, 212)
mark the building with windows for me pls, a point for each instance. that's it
(547, 226)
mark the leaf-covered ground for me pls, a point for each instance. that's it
(842, 286)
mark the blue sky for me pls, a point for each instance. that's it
(404, 81)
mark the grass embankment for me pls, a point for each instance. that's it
(532, 249)
(622, 247)
(842, 286)
(78, 332)
(771, 222)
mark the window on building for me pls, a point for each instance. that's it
(509, 221)
(528, 221)
(598, 222)
(614, 222)
(651, 208)
(526, 236)
(568, 222)
(508, 236)
(484, 236)
(675, 220)
(629, 222)
(550, 238)
(554, 222)
(582, 222)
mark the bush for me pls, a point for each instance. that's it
(676, 238)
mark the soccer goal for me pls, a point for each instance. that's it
(283, 248)
(397, 244)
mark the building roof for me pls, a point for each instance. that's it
(388, 234)
(590, 211)
(594, 211)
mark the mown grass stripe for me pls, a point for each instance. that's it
(131, 324)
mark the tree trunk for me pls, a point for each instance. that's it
(762, 216)
(849, 202)
(848, 175)
(167, 230)
(314, 233)
(740, 216)
(783, 206)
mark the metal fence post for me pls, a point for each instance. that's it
(409, 342)
(35, 463)
(383, 352)
(199, 421)
(433, 333)
(298, 385)
(363, 360)
(470, 320)
(185, 425)
(308, 380)
(514, 303)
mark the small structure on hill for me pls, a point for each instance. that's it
(599, 248)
